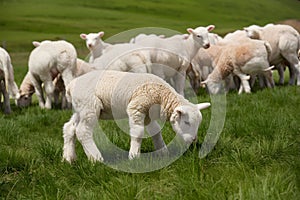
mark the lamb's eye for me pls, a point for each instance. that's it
(199, 36)
(187, 123)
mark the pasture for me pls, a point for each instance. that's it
(256, 157)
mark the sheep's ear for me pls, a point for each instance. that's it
(210, 27)
(36, 44)
(176, 115)
(202, 106)
(101, 34)
(83, 36)
(190, 30)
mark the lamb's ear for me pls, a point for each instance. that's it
(36, 44)
(101, 34)
(203, 83)
(83, 36)
(202, 106)
(176, 115)
(190, 30)
(210, 28)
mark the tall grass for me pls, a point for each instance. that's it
(256, 157)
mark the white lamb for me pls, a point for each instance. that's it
(241, 59)
(116, 95)
(172, 56)
(8, 87)
(285, 43)
(95, 44)
(48, 58)
(27, 88)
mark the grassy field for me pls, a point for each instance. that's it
(256, 157)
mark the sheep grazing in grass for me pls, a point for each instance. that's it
(116, 95)
(47, 59)
(27, 88)
(241, 59)
(8, 87)
(171, 57)
(285, 43)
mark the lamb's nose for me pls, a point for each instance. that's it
(207, 46)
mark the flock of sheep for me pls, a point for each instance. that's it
(131, 79)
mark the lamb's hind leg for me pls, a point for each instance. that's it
(6, 102)
(69, 131)
(84, 133)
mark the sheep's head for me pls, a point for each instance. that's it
(253, 31)
(185, 121)
(24, 100)
(213, 87)
(92, 39)
(200, 35)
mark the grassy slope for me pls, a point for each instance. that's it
(257, 156)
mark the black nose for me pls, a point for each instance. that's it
(207, 46)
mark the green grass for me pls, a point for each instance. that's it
(256, 157)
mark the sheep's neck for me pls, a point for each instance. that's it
(98, 50)
(192, 45)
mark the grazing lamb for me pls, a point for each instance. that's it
(47, 60)
(8, 87)
(241, 59)
(285, 43)
(27, 88)
(171, 57)
(116, 95)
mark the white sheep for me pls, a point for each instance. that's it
(285, 43)
(172, 56)
(95, 44)
(27, 88)
(116, 95)
(47, 59)
(241, 59)
(8, 87)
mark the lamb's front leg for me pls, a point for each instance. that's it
(244, 82)
(179, 81)
(136, 125)
(69, 131)
(154, 130)
(84, 133)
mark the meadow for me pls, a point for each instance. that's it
(256, 157)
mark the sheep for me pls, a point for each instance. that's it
(27, 88)
(285, 42)
(171, 56)
(47, 59)
(115, 95)
(8, 87)
(95, 44)
(248, 57)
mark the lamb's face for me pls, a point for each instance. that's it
(186, 119)
(252, 31)
(92, 39)
(214, 87)
(24, 100)
(200, 35)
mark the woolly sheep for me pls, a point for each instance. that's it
(249, 57)
(8, 87)
(48, 58)
(27, 88)
(285, 42)
(171, 56)
(115, 95)
(95, 44)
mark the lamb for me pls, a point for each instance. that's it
(95, 44)
(249, 57)
(116, 95)
(8, 87)
(172, 56)
(285, 42)
(47, 59)
(27, 88)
